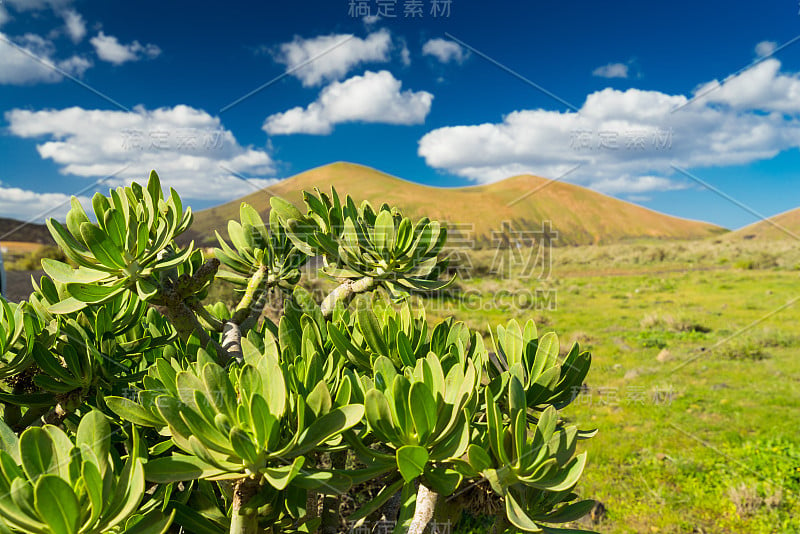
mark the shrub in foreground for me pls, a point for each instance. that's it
(131, 404)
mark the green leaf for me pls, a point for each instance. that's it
(94, 431)
(379, 416)
(569, 512)
(193, 521)
(411, 461)
(513, 343)
(319, 400)
(219, 389)
(443, 480)
(92, 294)
(243, 445)
(423, 410)
(68, 305)
(66, 454)
(408, 501)
(479, 459)
(546, 352)
(57, 504)
(370, 328)
(384, 232)
(516, 396)
(93, 481)
(146, 289)
(285, 209)
(327, 426)
(153, 523)
(61, 272)
(37, 453)
(331, 483)
(280, 477)
(75, 217)
(566, 477)
(517, 515)
(131, 411)
(248, 215)
(178, 468)
(154, 188)
(102, 246)
(9, 442)
(495, 429)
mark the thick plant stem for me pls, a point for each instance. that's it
(332, 503)
(232, 342)
(251, 295)
(183, 318)
(424, 511)
(232, 330)
(243, 520)
(345, 292)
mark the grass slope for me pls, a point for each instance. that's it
(580, 216)
(785, 225)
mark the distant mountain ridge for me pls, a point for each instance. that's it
(13, 230)
(580, 216)
(785, 225)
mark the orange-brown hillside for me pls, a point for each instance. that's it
(785, 225)
(579, 215)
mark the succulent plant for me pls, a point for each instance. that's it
(131, 401)
(53, 484)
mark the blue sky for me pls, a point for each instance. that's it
(627, 98)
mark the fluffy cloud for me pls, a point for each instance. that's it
(38, 5)
(628, 140)
(19, 64)
(374, 97)
(4, 16)
(762, 87)
(189, 148)
(765, 48)
(109, 49)
(612, 70)
(26, 205)
(444, 50)
(325, 58)
(74, 24)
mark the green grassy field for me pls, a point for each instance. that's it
(703, 438)
(695, 381)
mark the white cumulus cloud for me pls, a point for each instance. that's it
(444, 50)
(375, 97)
(627, 141)
(31, 59)
(189, 148)
(4, 16)
(30, 206)
(75, 25)
(109, 49)
(762, 87)
(315, 61)
(612, 70)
